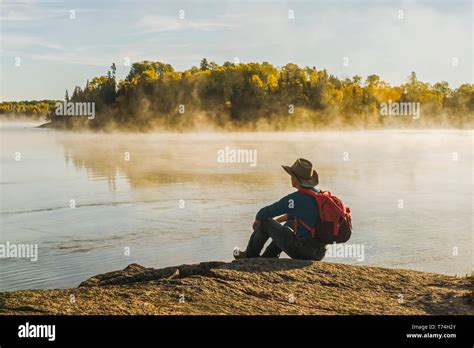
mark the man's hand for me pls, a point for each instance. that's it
(255, 224)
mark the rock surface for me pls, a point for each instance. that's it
(252, 286)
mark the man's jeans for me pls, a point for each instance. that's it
(283, 239)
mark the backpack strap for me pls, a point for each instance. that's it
(311, 230)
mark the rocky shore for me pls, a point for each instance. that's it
(253, 286)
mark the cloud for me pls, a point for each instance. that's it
(72, 58)
(20, 41)
(320, 35)
(28, 11)
(105, 59)
(36, 11)
(157, 24)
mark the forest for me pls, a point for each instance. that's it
(32, 109)
(252, 96)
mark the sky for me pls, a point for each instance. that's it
(49, 46)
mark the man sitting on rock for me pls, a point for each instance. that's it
(293, 238)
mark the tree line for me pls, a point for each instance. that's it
(258, 95)
(32, 108)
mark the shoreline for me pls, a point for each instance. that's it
(252, 287)
(244, 130)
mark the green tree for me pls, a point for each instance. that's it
(204, 65)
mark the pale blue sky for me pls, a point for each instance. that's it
(58, 52)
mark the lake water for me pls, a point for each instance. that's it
(167, 199)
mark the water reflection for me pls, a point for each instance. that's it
(156, 160)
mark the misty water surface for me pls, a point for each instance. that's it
(172, 202)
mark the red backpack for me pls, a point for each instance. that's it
(336, 218)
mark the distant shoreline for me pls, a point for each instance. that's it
(51, 125)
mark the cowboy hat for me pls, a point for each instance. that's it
(302, 170)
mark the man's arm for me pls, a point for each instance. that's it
(282, 218)
(282, 207)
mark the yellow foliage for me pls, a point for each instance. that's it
(385, 94)
(313, 77)
(337, 95)
(150, 75)
(272, 82)
(170, 76)
(257, 81)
